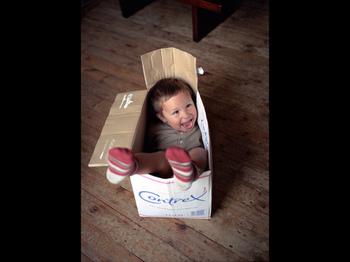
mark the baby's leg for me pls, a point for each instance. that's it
(200, 157)
(182, 166)
(186, 165)
(122, 163)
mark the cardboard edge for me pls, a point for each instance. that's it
(178, 217)
(97, 165)
(169, 180)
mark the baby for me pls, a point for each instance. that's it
(176, 143)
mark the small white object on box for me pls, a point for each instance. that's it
(200, 71)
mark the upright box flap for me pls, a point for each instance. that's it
(169, 62)
(120, 126)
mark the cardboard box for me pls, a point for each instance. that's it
(125, 127)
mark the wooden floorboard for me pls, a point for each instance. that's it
(234, 89)
(84, 258)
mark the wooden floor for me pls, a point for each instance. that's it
(234, 90)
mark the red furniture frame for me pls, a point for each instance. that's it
(206, 14)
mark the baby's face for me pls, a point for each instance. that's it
(179, 112)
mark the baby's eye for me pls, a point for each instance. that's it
(189, 105)
(175, 112)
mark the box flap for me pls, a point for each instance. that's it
(128, 102)
(104, 143)
(169, 62)
(120, 126)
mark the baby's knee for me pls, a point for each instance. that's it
(198, 151)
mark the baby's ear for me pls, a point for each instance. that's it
(161, 117)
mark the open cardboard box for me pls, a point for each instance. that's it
(125, 127)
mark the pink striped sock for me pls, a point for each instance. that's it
(121, 163)
(182, 167)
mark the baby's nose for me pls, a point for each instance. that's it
(185, 114)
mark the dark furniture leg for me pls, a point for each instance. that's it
(206, 15)
(129, 7)
(203, 21)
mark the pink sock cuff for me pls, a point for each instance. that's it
(121, 161)
(177, 154)
(183, 179)
(115, 172)
(122, 155)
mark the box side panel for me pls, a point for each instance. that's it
(204, 127)
(156, 198)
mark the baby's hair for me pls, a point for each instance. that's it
(167, 88)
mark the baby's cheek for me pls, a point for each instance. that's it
(195, 112)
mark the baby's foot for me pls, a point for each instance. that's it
(181, 165)
(121, 163)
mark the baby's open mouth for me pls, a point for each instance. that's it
(187, 124)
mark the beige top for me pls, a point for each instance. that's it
(161, 136)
